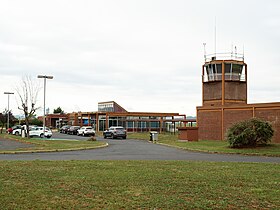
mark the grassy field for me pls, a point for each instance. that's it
(50, 145)
(138, 185)
(210, 146)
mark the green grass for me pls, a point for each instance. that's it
(138, 185)
(210, 146)
(50, 145)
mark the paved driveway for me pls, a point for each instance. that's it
(135, 150)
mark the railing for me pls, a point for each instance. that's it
(228, 77)
(224, 56)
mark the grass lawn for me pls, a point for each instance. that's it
(210, 146)
(138, 185)
(50, 145)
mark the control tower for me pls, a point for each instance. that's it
(224, 80)
(224, 97)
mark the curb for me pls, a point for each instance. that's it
(54, 150)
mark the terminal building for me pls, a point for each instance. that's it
(112, 114)
(224, 98)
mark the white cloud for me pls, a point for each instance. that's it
(146, 55)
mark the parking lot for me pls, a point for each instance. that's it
(57, 135)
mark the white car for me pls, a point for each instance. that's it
(17, 131)
(86, 131)
(39, 131)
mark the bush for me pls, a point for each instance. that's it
(92, 138)
(250, 133)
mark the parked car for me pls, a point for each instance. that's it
(17, 129)
(64, 129)
(115, 132)
(73, 130)
(9, 130)
(39, 131)
(86, 131)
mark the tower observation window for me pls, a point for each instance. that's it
(233, 72)
(214, 72)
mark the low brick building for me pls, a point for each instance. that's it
(224, 94)
(55, 120)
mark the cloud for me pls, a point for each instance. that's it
(145, 55)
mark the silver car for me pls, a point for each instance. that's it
(115, 132)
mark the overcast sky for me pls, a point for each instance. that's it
(144, 54)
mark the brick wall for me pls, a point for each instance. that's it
(233, 116)
(273, 116)
(209, 124)
(210, 120)
(235, 91)
(212, 90)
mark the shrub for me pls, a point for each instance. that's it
(250, 133)
(92, 138)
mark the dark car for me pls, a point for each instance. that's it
(73, 130)
(115, 132)
(64, 129)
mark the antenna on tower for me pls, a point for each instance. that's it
(215, 38)
(243, 52)
(204, 45)
(235, 49)
(231, 52)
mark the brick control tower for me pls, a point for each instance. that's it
(224, 98)
(224, 80)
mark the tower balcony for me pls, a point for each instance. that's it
(224, 56)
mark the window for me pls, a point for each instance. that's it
(228, 68)
(237, 68)
(106, 107)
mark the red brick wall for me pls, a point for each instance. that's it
(209, 124)
(234, 116)
(210, 120)
(235, 90)
(118, 108)
(212, 90)
(273, 116)
(188, 133)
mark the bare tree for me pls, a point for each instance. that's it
(28, 93)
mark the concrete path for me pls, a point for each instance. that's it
(136, 150)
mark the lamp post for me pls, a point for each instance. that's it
(44, 117)
(8, 118)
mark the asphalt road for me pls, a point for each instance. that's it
(129, 149)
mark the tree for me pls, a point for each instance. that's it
(4, 118)
(28, 93)
(36, 121)
(58, 110)
(2, 121)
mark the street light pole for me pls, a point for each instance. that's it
(44, 117)
(8, 118)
